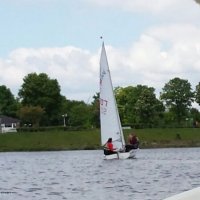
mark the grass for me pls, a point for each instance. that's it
(81, 140)
(169, 137)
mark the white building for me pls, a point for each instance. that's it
(8, 124)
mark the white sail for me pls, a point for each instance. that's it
(109, 116)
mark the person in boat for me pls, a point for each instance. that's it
(133, 142)
(108, 148)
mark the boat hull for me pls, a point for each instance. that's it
(193, 194)
(122, 155)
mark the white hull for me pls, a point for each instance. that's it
(122, 156)
(193, 194)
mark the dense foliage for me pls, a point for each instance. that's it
(8, 103)
(31, 115)
(39, 103)
(40, 90)
(139, 105)
(197, 94)
(178, 97)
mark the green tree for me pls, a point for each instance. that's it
(178, 97)
(31, 115)
(8, 103)
(148, 109)
(79, 114)
(126, 100)
(197, 94)
(40, 90)
(194, 117)
(169, 119)
(138, 105)
(95, 111)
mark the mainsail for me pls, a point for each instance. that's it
(109, 115)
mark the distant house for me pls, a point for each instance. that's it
(8, 124)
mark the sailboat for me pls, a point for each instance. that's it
(109, 115)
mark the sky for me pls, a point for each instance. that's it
(148, 42)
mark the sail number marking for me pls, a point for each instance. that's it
(103, 104)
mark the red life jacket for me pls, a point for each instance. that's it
(109, 145)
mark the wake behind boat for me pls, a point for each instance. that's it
(109, 115)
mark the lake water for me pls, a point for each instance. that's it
(84, 175)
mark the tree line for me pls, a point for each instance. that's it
(40, 103)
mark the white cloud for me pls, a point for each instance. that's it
(160, 54)
(168, 48)
(72, 67)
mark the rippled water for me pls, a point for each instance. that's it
(154, 175)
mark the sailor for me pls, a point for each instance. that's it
(133, 142)
(108, 147)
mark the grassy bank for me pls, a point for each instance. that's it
(74, 140)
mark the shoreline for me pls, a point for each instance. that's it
(90, 139)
